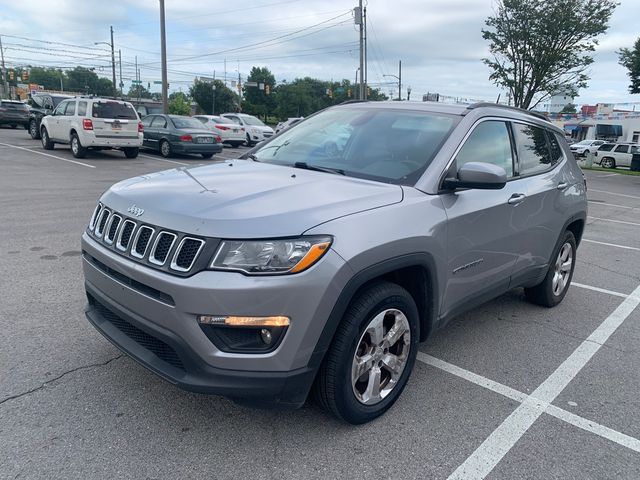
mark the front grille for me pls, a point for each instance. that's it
(156, 346)
(170, 251)
(186, 254)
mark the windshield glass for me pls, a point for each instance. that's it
(187, 122)
(113, 110)
(394, 146)
(252, 121)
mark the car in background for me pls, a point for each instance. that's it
(171, 134)
(230, 132)
(93, 123)
(612, 155)
(42, 104)
(256, 130)
(14, 113)
(585, 147)
(288, 123)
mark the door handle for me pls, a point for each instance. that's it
(516, 198)
(563, 186)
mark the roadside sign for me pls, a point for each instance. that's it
(136, 81)
(250, 84)
(157, 82)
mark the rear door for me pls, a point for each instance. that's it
(112, 120)
(148, 131)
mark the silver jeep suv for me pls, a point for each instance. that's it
(320, 260)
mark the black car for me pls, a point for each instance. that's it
(14, 113)
(42, 104)
(178, 134)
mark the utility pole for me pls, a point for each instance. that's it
(4, 71)
(356, 83)
(366, 75)
(360, 23)
(113, 61)
(399, 80)
(120, 63)
(213, 88)
(163, 51)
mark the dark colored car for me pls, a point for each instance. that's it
(171, 134)
(42, 104)
(14, 113)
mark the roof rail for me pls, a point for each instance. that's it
(507, 107)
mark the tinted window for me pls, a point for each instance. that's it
(252, 121)
(146, 121)
(57, 100)
(159, 122)
(554, 146)
(113, 110)
(489, 143)
(532, 148)
(622, 148)
(607, 147)
(234, 119)
(82, 108)
(70, 110)
(186, 122)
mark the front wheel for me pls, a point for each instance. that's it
(14, 126)
(131, 152)
(33, 130)
(372, 355)
(47, 144)
(248, 142)
(556, 283)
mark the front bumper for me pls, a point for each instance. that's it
(164, 336)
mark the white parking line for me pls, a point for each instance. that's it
(484, 459)
(161, 159)
(520, 397)
(612, 204)
(614, 221)
(614, 193)
(598, 289)
(611, 244)
(47, 155)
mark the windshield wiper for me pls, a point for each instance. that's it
(252, 157)
(316, 168)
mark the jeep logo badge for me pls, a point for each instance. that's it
(134, 210)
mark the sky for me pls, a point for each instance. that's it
(439, 42)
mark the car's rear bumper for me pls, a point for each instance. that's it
(11, 120)
(112, 141)
(205, 148)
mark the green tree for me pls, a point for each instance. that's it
(179, 104)
(141, 91)
(541, 46)
(569, 108)
(630, 59)
(202, 94)
(82, 79)
(256, 100)
(49, 78)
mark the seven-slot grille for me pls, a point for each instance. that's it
(169, 251)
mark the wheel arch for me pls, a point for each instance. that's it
(415, 272)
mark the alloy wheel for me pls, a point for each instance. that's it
(562, 271)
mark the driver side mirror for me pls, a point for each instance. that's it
(478, 175)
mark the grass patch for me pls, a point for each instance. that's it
(612, 170)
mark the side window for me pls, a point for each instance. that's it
(532, 148)
(60, 108)
(622, 149)
(159, 122)
(607, 147)
(71, 109)
(554, 146)
(146, 121)
(82, 108)
(490, 143)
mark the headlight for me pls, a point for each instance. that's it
(270, 256)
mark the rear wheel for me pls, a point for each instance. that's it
(372, 355)
(77, 149)
(14, 126)
(234, 144)
(47, 144)
(206, 155)
(165, 148)
(556, 283)
(131, 152)
(608, 162)
(33, 129)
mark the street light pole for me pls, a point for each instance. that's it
(399, 78)
(120, 64)
(4, 71)
(163, 51)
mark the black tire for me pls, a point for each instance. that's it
(47, 144)
(131, 152)
(248, 141)
(333, 388)
(608, 162)
(77, 150)
(543, 293)
(165, 149)
(206, 156)
(14, 126)
(235, 144)
(33, 130)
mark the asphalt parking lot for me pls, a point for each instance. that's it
(507, 391)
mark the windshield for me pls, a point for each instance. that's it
(394, 146)
(187, 122)
(113, 110)
(252, 121)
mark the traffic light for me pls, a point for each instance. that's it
(349, 93)
(330, 93)
(368, 91)
(267, 89)
(25, 76)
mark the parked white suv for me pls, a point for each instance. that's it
(585, 147)
(256, 130)
(612, 155)
(96, 123)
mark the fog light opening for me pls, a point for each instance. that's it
(266, 336)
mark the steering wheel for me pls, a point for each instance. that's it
(331, 149)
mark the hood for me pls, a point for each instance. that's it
(245, 199)
(262, 128)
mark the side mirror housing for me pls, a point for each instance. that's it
(478, 175)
